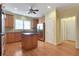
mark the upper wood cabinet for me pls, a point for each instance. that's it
(34, 23)
(9, 22)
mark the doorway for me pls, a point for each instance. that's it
(68, 29)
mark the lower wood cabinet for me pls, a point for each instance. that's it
(35, 40)
(13, 37)
(29, 41)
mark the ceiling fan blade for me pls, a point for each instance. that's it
(34, 12)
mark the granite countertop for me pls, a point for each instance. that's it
(29, 33)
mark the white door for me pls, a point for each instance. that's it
(68, 29)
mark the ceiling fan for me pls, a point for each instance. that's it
(34, 11)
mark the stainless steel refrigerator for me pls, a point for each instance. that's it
(3, 33)
(2, 30)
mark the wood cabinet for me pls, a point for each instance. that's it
(9, 22)
(34, 23)
(29, 41)
(35, 41)
(25, 42)
(13, 37)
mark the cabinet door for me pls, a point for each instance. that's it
(27, 42)
(9, 37)
(17, 36)
(12, 37)
(34, 41)
(9, 22)
(34, 23)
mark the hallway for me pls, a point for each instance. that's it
(67, 48)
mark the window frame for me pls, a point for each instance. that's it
(22, 24)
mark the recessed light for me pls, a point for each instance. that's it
(29, 7)
(48, 7)
(15, 8)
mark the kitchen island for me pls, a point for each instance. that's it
(29, 41)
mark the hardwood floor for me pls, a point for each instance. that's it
(67, 48)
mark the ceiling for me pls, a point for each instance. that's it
(22, 8)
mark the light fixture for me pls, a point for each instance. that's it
(48, 7)
(29, 7)
(15, 8)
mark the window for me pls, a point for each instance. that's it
(18, 24)
(27, 25)
(21, 24)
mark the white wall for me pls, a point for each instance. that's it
(77, 30)
(50, 27)
(68, 28)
